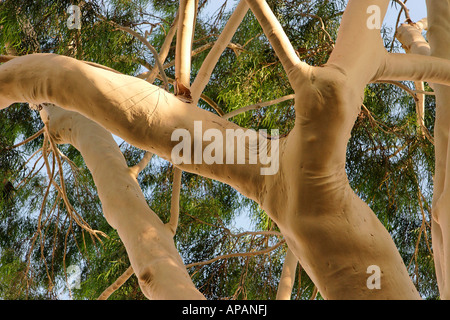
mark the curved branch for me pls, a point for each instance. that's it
(142, 114)
(31, 138)
(117, 284)
(234, 255)
(164, 51)
(149, 245)
(149, 46)
(405, 10)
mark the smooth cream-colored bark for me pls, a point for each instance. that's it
(413, 42)
(287, 278)
(439, 38)
(149, 243)
(204, 74)
(186, 21)
(438, 24)
(333, 233)
(328, 228)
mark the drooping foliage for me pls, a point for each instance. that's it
(390, 164)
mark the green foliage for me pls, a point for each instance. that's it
(389, 164)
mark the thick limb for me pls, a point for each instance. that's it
(334, 234)
(439, 38)
(149, 244)
(140, 113)
(359, 48)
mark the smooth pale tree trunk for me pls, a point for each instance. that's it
(149, 243)
(439, 38)
(185, 35)
(438, 24)
(287, 278)
(328, 228)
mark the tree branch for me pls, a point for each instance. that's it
(142, 114)
(287, 276)
(136, 169)
(149, 245)
(175, 201)
(438, 36)
(234, 255)
(34, 136)
(185, 35)
(117, 284)
(359, 49)
(164, 51)
(296, 70)
(257, 106)
(208, 65)
(405, 10)
(414, 67)
(148, 45)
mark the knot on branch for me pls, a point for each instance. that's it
(181, 92)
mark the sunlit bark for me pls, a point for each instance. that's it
(149, 243)
(334, 234)
(439, 38)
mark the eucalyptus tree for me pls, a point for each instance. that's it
(302, 178)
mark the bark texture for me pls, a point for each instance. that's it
(334, 234)
(439, 39)
(149, 243)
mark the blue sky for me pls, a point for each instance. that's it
(417, 11)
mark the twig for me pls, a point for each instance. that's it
(164, 51)
(423, 129)
(175, 201)
(62, 189)
(34, 136)
(405, 9)
(233, 255)
(322, 26)
(146, 43)
(257, 106)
